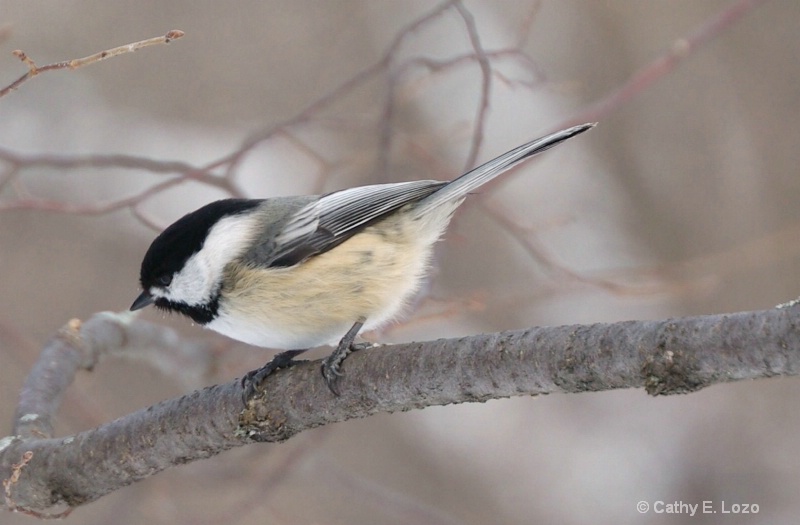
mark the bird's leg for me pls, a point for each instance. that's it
(252, 380)
(331, 364)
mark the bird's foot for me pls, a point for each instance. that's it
(254, 379)
(331, 365)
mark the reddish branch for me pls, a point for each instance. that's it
(228, 164)
(681, 49)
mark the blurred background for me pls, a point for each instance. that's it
(681, 202)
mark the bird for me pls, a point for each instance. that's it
(294, 273)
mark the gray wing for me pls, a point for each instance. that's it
(332, 219)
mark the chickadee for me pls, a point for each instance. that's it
(293, 273)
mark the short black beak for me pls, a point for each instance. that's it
(144, 299)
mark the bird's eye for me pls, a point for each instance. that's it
(165, 280)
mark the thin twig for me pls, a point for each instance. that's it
(75, 63)
(486, 84)
(681, 49)
(656, 70)
(387, 116)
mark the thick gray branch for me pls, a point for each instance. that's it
(664, 357)
(674, 356)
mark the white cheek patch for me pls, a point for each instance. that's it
(194, 283)
(201, 276)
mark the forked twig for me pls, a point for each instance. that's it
(75, 63)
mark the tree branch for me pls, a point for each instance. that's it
(673, 356)
(659, 68)
(75, 63)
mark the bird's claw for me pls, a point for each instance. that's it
(254, 379)
(331, 372)
(332, 365)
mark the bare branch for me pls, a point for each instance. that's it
(386, 62)
(681, 49)
(79, 346)
(486, 84)
(8, 484)
(674, 356)
(665, 357)
(229, 163)
(34, 70)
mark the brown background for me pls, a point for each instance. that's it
(683, 201)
